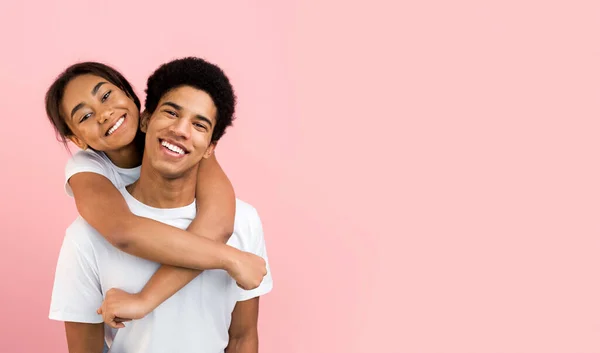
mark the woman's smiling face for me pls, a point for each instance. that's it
(100, 114)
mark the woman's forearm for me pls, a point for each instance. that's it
(168, 245)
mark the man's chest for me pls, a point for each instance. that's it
(117, 269)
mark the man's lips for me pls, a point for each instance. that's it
(173, 146)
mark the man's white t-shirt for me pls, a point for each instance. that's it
(195, 319)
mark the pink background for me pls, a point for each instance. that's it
(427, 171)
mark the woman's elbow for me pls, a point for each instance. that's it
(225, 232)
(119, 237)
(120, 240)
(117, 231)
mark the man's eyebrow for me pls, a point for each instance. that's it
(203, 118)
(176, 106)
(197, 116)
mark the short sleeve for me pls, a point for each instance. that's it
(77, 293)
(85, 161)
(258, 249)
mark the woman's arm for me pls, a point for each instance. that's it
(105, 209)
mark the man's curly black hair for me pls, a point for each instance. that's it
(200, 74)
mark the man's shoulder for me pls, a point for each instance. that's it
(245, 212)
(82, 234)
(248, 226)
(79, 226)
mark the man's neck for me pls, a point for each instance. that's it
(156, 191)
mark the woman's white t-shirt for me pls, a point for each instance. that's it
(98, 162)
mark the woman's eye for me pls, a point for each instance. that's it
(172, 113)
(106, 95)
(85, 117)
(200, 126)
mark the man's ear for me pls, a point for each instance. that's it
(144, 120)
(210, 150)
(78, 142)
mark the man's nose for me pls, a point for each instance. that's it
(181, 127)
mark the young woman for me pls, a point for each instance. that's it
(94, 106)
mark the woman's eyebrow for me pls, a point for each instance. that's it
(94, 91)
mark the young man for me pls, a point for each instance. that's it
(188, 100)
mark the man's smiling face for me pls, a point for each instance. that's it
(179, 131)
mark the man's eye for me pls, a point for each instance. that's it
(200, 126)
(170, 112)
(106, 95)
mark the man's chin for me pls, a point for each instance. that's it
(168, 170)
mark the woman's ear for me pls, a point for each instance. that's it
(144, 120)
(78, 142)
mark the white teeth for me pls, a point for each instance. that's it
(173, 148)
(116, 126)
